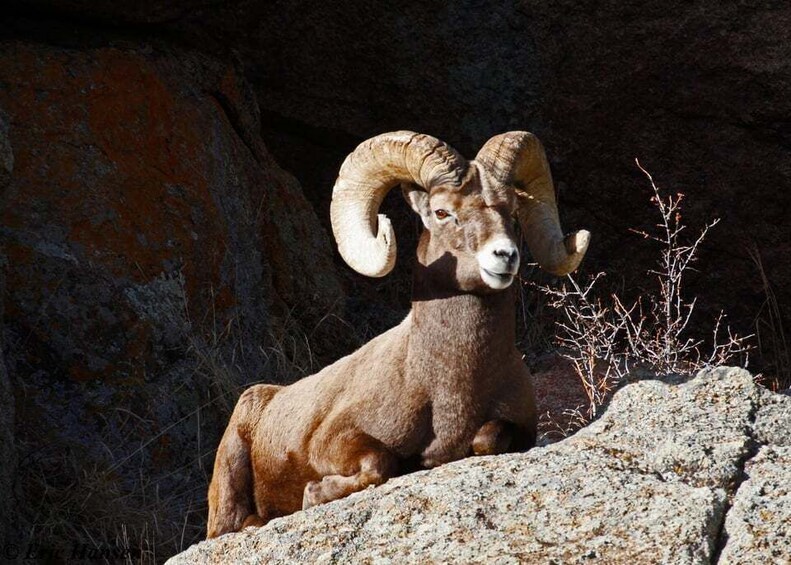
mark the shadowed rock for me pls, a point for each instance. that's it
(153, 248)
(7, 455)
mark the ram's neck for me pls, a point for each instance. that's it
(484, 325)
(460, 336)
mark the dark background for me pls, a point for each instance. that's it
(165, 174)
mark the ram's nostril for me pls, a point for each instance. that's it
(507, 254)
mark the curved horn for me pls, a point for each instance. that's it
(517, 158)
(366, 176)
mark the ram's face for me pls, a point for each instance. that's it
(474, 226)
(466, 207)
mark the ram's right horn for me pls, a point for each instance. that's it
(517, 158)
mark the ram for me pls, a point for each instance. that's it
(448, 381)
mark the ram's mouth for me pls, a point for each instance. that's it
(496, 280)
(501, 276)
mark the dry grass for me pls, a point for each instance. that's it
(769, 332)
(555, 427)
(130, 493)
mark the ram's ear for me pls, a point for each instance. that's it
(417, 198)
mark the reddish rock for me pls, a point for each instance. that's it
(154, 249)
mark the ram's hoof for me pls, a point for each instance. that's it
(312, 496)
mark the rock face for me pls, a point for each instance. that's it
(136, 171)
(154, 251)
(649, 482)
(7, 453)
(700, 92)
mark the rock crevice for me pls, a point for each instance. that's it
(741, 477)
(760, 506)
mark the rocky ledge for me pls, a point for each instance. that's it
(675, 473)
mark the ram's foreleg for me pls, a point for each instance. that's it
(498, 436)
(231, 502)
(350, 462)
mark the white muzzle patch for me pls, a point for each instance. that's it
(499, 263)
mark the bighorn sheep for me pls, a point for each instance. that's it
(445, 383)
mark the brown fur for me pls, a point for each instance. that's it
(446, 383)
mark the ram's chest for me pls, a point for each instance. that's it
(404, 431)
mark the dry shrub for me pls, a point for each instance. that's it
(607, 338)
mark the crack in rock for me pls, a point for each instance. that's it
(752, 529)
(722, 536)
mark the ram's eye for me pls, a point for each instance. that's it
(441, 214)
